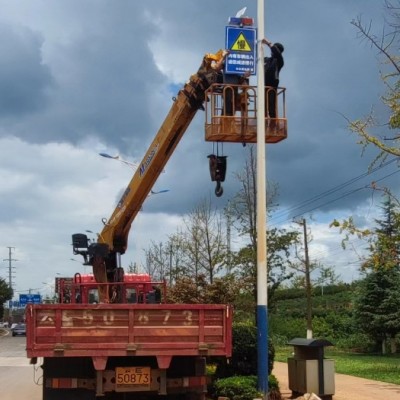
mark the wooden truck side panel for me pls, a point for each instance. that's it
(76, 330)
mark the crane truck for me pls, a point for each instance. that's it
(112, 335)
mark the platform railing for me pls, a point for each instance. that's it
(231, 114)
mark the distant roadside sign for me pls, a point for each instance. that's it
(13, 304)
(25, 299)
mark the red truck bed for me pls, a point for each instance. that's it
(106, 330)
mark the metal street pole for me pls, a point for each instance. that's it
(262, 295)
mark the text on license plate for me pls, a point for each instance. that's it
(133, 376)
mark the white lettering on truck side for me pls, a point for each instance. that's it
(92, 318)
(143, 318)
(66, 319)
(188, 316)
(166, 318)
(108, 317)
(87, 317)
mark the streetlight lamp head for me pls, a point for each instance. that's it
(108, 156)
(118, 158)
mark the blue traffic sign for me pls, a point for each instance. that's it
(25, 299)
(241, 43)
(13, 304)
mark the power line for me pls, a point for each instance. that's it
(346, 194)
(317, 197)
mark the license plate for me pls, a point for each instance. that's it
(132, 377)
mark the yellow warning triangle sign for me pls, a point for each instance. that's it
(241, 44)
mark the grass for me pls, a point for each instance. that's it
(375, 367)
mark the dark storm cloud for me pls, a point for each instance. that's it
(24, 80)
(330, 76)
(103, 79)
(76, 75)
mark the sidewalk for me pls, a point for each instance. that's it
(346, 387)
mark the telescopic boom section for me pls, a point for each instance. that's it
(189, 100)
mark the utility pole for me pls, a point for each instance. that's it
(10, 276)
(170, 264)
(228, 234)
(308, 279)
(10, 267)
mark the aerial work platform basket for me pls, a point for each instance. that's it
(231, 114)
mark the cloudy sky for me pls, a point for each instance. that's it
(79, 77)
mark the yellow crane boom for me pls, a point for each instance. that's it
(104, 255)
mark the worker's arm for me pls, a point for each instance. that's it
(275, 51)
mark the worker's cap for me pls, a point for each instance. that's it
(280, 47)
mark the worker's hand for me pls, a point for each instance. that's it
(225, 53)
(267, 42)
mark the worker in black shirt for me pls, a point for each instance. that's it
(272, 67)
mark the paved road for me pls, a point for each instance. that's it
(346, 387)
(18, 379)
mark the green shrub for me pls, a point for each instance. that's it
(322, 329)
(357, 342)
(245, 388)
(287, 328)
(237, 388)
(274, 392)
(244, 352)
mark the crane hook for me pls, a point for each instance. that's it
(217, 166)
(219, 189)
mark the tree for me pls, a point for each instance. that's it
(383, 242)
(223, 290)
(198, 249)
(327, 276)
(204, 240)
(156, 260)
(167, 260)
(178, 264)
(6, 293)
(133, 267)
(369, 129)
(377, 306)
(243, 212)
(306, 267)
(385, 250)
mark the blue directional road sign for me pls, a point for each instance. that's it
(241, 43)
(25, 299)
